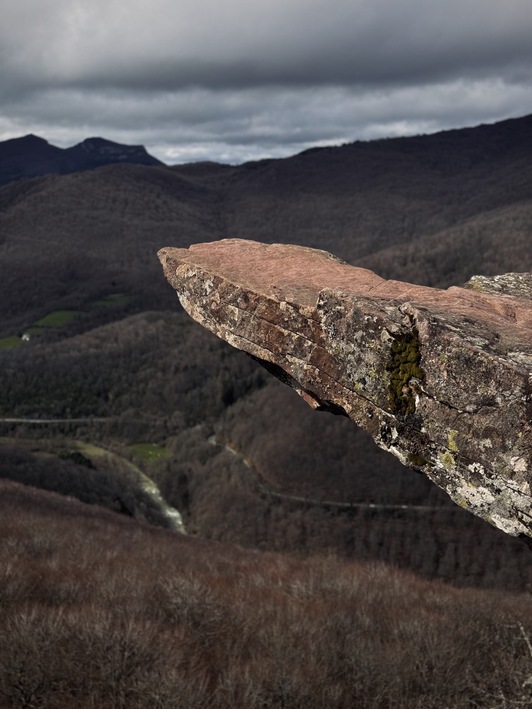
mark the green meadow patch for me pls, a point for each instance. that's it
(34, 330)
(7, 342)
(58, 318)
(149, 451)
(112, 301)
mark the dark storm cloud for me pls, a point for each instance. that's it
(238, 79)
(168, 45)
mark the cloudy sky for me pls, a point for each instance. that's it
(243, 79)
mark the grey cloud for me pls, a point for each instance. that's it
(239, 80)
(237, 125)
(168, 45)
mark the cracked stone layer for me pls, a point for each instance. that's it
(440, 378)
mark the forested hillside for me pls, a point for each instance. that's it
(433, 210)
(233, 449)
(107, 351)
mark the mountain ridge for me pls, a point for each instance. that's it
(32, 156)
(432, 210)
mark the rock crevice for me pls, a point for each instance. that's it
(439, 378)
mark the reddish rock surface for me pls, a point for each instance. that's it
(440, 378)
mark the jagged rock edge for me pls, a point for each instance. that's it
(496, 492)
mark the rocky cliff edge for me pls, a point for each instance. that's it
(440, 378)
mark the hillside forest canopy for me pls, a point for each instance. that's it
(304, 541)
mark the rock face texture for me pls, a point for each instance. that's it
(440, 378)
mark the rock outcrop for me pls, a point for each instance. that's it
(439, 378)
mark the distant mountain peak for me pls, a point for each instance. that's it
(31, 138)
(33, 156)
(110, 151)
(97, 143)
(23, 144)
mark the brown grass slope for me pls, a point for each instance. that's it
(99, 611)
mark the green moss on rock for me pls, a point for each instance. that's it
(404, 365)
(417, 460)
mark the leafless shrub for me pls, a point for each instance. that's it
(116, 614)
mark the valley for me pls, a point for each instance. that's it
(119, 417)
(155, 389)
(108, 343)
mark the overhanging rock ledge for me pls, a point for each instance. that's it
(440, 378)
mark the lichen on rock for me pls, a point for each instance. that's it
(439, 378)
